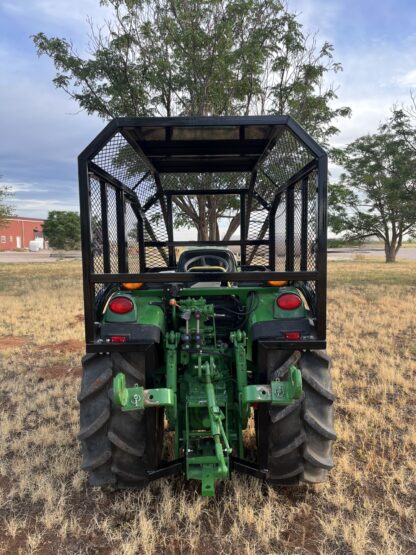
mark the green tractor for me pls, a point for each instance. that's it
(193, 339)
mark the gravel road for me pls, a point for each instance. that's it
(40, 256)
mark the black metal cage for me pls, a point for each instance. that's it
(133, 172)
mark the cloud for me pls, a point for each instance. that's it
(307, 11)
(41, 136)
(66, 11)
(43, 131)
(40, 207)
(44, 203)
(408, 79)
(15, 187)
(12, 7)
(376, 45)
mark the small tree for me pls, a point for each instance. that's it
(6, 211)
(376, 196)
(62, 229)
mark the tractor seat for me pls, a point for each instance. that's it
(207, 269)
(207, 260)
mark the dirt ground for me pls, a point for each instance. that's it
(367, 507)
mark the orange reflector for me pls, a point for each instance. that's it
(132, 286)
(277, 283)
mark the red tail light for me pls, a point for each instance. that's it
(293, 335)
(288, 301)
(121, 305)
(118, 338)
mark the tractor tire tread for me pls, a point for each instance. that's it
(300, 435)
(319, 426)
(276, 416)
(299, 440)
(98, 384)
(120, 443)
(113, 442)
(95, 425)
(94, 463)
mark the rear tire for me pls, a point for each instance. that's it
(295, 442)
(118, 447)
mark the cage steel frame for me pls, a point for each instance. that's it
(293, 194)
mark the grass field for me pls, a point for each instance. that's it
(368, 506)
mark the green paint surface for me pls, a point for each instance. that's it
(206, 379)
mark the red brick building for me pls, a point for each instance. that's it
(17, 233)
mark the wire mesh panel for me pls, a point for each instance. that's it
(127, 166)
(257, 229)
(132, 237)
(155, 231)
(287, 157)
(297, 226)
(312, 221)
(258, 220)
(145, 189)
(131, 169)
(98, 237)
(205, 181)
(280, 234)
(258, 255)
(122, 162)
(105, 235)
(96, 226)
(206, 217)
(264, 188)
(112, 228)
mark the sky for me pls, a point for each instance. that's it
(43, 131)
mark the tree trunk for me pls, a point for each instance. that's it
(212, 219)
(233, 226)
(391, 251)
(203, 228)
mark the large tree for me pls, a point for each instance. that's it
(200, 57)
(62, 229)
(376, 196)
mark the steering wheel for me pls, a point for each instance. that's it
(222, 264)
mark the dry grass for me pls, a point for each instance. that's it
(366, 508)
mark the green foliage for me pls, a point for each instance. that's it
(217, 57)
(159, 57)
(6, 211)
(343, 243)
(62, 229)
(377, 194)
(404, 121)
